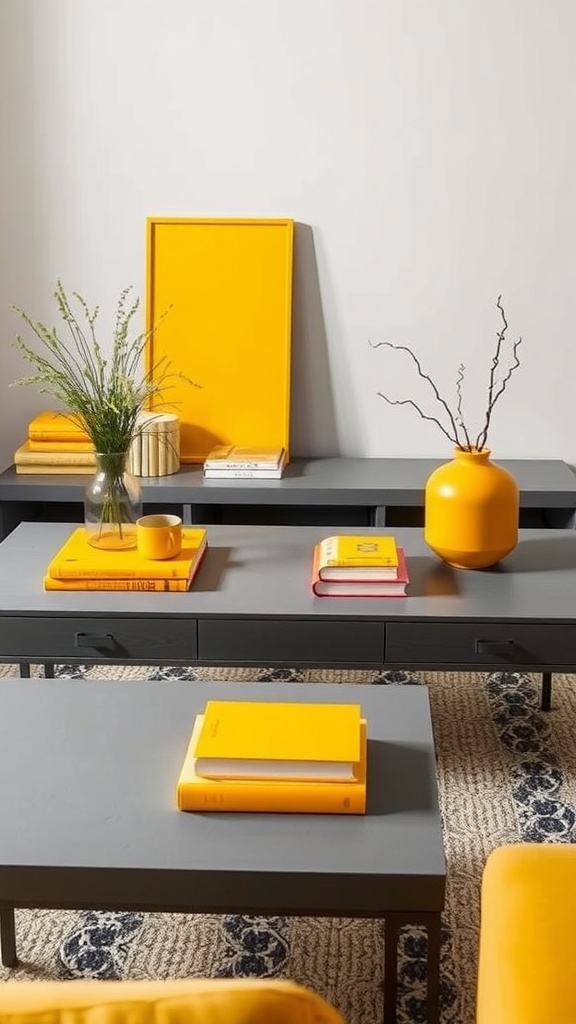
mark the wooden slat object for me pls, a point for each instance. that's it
(155, 451)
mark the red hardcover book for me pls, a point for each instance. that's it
(361, 588)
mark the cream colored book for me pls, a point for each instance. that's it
(235, 457)
(26, 456)
(58, 470)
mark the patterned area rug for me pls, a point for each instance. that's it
(506, 772)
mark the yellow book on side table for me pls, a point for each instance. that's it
(68, 447)
(229, 456)
(27, 455)
(364, 557)
(57, 469)
(56, 426)
(76, 560)
(279, 740)
(197, 793)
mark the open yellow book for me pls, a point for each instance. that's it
(196, 793)
(279, 740)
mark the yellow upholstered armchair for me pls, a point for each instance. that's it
(245, 1001)
(527, 964)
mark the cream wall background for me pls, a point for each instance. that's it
(428, 148)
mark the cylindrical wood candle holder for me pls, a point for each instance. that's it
(155, 450)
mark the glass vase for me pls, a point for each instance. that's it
(112, 503)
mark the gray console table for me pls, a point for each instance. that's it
(252, 604)
(326, 491)
(90, 820)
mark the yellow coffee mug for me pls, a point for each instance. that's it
(159, 536)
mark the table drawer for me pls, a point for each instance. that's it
(467, 643)
(290, 642)
(100, 639)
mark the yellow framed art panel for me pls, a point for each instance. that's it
(228, 283)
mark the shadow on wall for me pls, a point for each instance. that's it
(24, 202)
(312, 405)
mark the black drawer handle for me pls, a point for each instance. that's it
(100, 640)
(493, 646)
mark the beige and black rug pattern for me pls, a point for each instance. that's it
(506, 773)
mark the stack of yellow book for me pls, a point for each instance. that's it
(78, 566)
(276, 757)
(359, 566)
(56, 444)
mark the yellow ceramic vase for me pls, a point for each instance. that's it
(471, 511)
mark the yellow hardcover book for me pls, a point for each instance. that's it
(279, 740)
(25, 455)
(197, 793)
(146, 586)
(55, 470)
(365, 557)
(56, 426)
(76, 559)
(74, 447)
(349, 586)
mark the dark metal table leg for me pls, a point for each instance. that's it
(392, 924)
(24, 667)
(8, 937)
(49, 671)
(546, 702)
(433, 980)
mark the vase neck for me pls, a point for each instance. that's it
(477, 455)
(111, 462)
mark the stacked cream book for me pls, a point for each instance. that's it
(56, 444)
(155, 450)
(229, 462)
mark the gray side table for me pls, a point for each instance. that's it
(338, 491)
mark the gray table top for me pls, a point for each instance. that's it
(320, 481)
(88, 773)
(264, 571)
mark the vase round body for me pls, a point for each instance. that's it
(471, 511)
(112, 503)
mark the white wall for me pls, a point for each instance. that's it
(428, 145)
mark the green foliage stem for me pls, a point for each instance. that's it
(105, 394)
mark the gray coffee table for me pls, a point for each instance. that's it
(87, 805)
(252, 604)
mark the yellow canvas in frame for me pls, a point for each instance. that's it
(229, 286)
